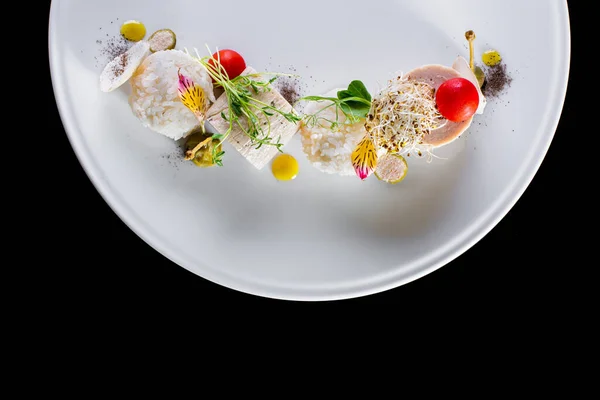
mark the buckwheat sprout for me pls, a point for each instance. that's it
(401, 115)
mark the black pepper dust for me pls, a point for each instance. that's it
(497, 80)
(112, 48)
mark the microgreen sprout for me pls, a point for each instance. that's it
(401, 115)
(354, 103)
(244, 110)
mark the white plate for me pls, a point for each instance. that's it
(319, 236)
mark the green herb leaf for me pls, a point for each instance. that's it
(237, 108)
(355, 108)
(217, 136)
(292, 118)
(318, 98)
(217, 156)
(355, 89)
(356, 100)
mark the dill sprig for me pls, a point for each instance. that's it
(244, 109)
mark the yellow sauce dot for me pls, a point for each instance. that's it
(284, 167)
(491, 58)
(133, 30)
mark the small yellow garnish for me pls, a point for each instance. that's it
(133, 30)
(285, 167)
(491, 58)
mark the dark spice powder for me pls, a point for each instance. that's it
(289, 93)
(497, 80)
(114, 47)
(121, 64)
(288, 88)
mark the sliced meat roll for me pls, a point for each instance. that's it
(435, 75)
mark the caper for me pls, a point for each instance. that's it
(193, 139)
(480, 75)
(204, 155)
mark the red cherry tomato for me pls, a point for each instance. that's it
(231, 60)
(457, 99)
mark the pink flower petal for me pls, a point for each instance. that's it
(364, 158)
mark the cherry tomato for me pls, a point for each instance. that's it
(231, 60)
(457, 99)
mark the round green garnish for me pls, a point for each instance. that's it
(480, 75)
(204, 155)
(163, 39)
(391, 168)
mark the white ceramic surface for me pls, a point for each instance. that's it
(320, 236)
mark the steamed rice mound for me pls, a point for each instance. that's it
(329, 150)
(154, 98)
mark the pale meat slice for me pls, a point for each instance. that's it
(280, 127)
(435, 75)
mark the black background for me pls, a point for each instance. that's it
(521, 262)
